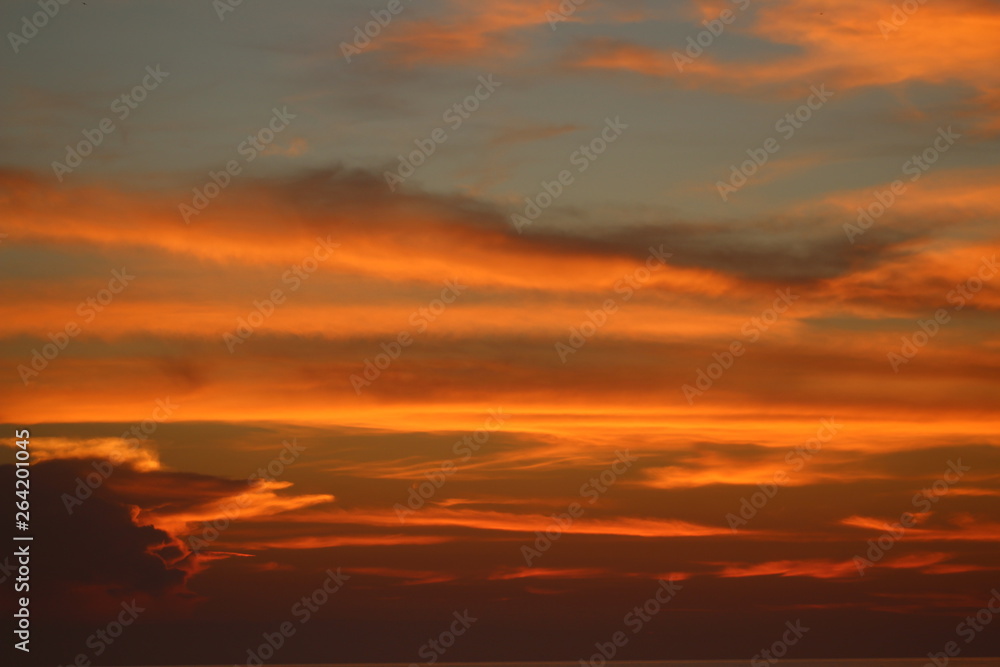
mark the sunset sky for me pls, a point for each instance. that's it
(713, 283)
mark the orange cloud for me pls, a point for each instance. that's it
(471, 30)
(259, 500)
(817, 569)
(549, 573)
(328, 541)
(141, 456)
(410, 577)
(520, 523)
(478, 247)
(844, 49)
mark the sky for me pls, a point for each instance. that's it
(428, 331)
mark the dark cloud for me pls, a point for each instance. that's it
(99, 544)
